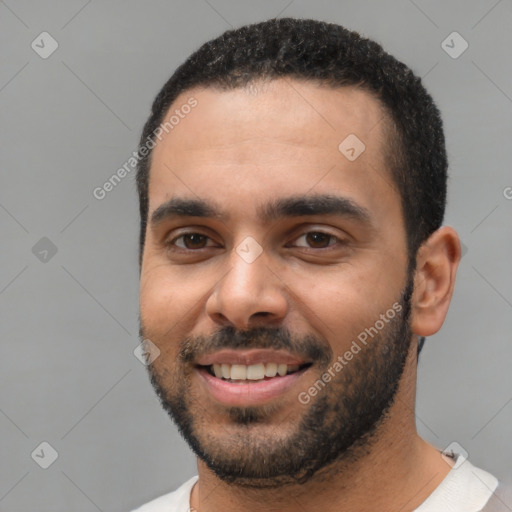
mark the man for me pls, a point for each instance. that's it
(292, 187)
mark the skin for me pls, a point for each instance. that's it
(240, 148)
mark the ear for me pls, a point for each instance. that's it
(434, 280)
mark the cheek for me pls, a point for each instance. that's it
(163, 314)
(342, 303)
(165, 301)
(338, 309)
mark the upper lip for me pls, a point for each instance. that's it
(249, 357)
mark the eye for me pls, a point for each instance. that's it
(191, 241)
(316, 240)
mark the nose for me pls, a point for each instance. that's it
(251, 294)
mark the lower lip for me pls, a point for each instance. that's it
(248, 392)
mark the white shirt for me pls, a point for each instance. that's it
(465, 488)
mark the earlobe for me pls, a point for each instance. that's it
(434, 281)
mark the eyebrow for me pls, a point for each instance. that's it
(294, 206)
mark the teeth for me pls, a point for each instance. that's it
(226, 370)
(253, 371)
(238, 372)
(281, 369)
(271, 370)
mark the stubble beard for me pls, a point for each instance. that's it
(261, 449)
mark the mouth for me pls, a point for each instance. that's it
(256, 384)
(240, 373)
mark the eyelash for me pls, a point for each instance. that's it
(172, 243)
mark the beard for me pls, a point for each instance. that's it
(259, 447)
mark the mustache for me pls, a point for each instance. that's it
(304, 347)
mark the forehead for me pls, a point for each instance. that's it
(294, 111)
(280, 136)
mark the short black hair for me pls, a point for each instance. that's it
(333, 56)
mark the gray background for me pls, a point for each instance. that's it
(68, 374)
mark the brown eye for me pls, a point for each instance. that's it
(191, 241)
(195, 241)
(316, 240)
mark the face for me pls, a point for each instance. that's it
(270, 248)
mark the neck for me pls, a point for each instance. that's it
(397, 470)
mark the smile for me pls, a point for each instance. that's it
(253, 372)
(245, 385)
